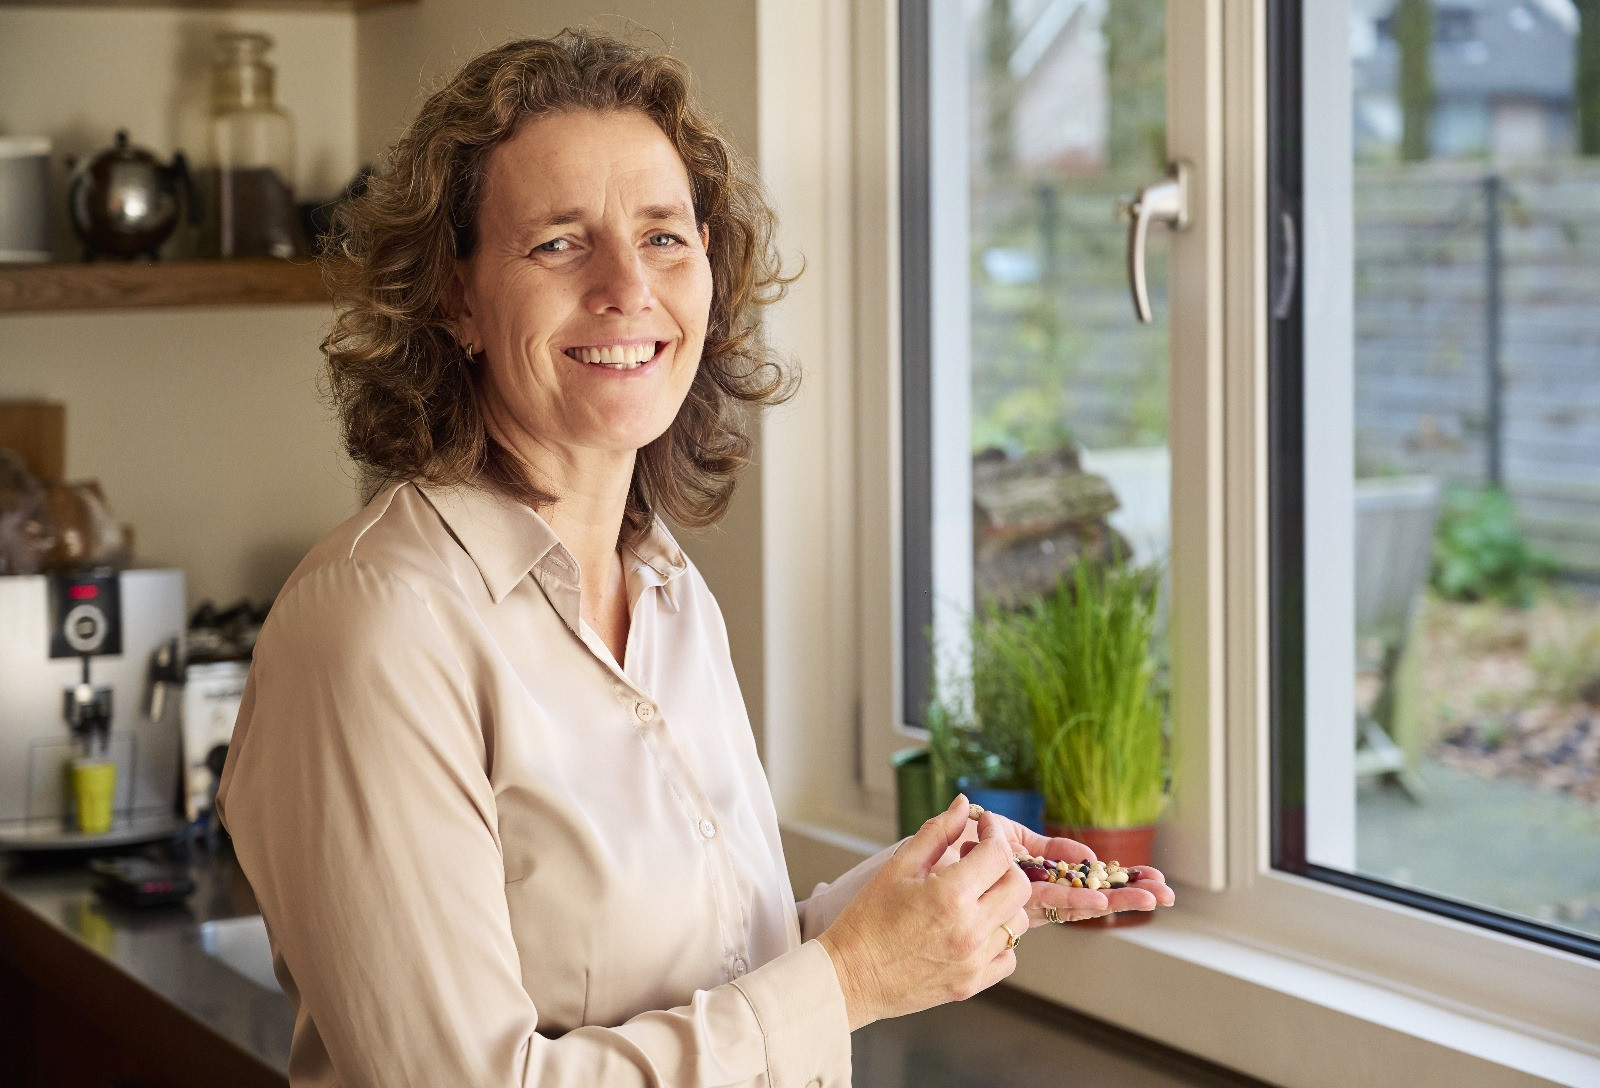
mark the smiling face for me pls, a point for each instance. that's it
(588, 294)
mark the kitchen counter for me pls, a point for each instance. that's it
(129, 998)
(134, 984)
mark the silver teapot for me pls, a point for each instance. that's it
(124, 202)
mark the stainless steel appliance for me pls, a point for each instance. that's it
(48, 629)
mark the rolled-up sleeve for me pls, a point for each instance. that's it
(360, 808)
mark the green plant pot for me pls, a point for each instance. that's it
(915, 803)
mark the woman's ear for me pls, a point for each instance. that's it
(458, 304)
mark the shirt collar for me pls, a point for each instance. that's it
(506, 539)
(657, 560)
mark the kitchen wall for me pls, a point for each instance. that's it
(205, 426)
(404, 50)
(77, 75)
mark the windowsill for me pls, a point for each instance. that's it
(1266, 1012)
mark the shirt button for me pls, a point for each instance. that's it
(646, 711)
(708, 829)
(814, 1082)
(739, 967)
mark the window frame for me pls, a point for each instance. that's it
(1367, 986)
(916, 352)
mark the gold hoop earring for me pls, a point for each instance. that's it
(472, 351)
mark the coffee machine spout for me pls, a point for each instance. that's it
(88, 713)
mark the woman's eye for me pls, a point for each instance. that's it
(554, 245)
(662, 238)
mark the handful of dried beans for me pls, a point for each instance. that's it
(1094, 875)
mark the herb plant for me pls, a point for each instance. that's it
(1083, 657)
(979, 722)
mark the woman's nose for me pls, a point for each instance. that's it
(619, 281)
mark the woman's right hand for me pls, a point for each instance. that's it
(914, 938)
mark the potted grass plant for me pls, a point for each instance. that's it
(1084, 659)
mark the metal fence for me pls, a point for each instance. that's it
(1477, 338)
(1071, 330)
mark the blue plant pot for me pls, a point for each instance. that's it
(1026, 807)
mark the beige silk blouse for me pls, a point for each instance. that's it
(487, 854)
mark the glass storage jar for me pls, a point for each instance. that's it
(252, 209)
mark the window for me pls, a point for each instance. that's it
(1026, 373)
(1261, 243)
(1038, 420)
(1350, 977)
(1434, 460)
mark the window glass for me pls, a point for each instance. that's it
(1474, 438)
(1040, 438)
(1067, 115)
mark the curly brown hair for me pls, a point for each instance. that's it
(408, 398)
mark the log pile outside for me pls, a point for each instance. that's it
(1033, 517)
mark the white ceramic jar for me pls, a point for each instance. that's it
(24, 199)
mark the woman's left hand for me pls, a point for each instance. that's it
(1074, 904)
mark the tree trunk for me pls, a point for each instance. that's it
(1413, 33)
(999, 41)
(1586, 92)
(1136, 85)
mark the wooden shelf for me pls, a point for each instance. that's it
(117, 285)
(238, 5)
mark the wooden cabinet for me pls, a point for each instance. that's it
(67, 1021)
(47, 1042)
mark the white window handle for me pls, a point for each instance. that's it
(1164, 201)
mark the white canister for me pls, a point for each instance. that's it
(212, 692)
(24, 198)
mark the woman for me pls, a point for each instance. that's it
(492, 779)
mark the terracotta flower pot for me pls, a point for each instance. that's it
(1128, 846)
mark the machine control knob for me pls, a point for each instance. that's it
(85, 628)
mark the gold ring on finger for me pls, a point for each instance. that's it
(1051, 915)
(1012, 940)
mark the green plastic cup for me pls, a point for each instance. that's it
(94, 785)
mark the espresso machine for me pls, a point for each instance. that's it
(86, 659)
